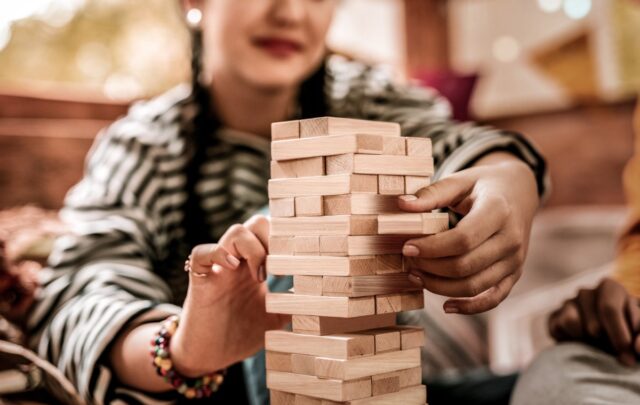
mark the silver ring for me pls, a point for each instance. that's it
(188, 269)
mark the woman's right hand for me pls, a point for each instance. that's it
(224, 317)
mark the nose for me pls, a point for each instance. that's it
(288, 12)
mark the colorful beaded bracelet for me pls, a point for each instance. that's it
(201, 387)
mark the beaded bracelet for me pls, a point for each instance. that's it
(201, 387)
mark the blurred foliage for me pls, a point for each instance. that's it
(127, 49)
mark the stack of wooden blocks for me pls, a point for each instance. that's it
(337, 229)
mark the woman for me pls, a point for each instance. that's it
(190, 168)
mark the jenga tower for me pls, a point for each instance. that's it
(337, 229)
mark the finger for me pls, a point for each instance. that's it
(483, 302)
(633, 314)
(248, 246)
(206, 255)
(553, 324)
(259, 225)
(493, 250)
(485, 219)
(612, 313)
(586, 301)
(469, 286)
(447, 192)
(569, 322)
(633, 317)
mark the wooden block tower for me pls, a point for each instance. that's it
(336, 228)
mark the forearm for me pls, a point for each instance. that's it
(132, 362)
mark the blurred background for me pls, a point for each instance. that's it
(563, 72)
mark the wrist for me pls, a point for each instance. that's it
(198, 385)
(187, 357)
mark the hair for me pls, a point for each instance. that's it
(311, 103)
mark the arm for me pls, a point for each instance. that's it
(101, 275)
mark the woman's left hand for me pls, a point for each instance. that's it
(479, 260)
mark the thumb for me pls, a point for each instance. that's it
(447, 192)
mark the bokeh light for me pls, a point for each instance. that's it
(550, 6)
(577, 9)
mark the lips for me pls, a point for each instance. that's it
(278, 47)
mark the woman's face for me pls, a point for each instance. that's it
(270, 44)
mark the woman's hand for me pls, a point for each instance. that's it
(479, 261)
(224, 317)
(607, 317)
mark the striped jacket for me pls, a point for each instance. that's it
(123, 257)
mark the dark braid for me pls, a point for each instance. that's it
(312, 103)
(202, 132)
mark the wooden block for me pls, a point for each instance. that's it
(313, 166)
(399, 302)
(340, 126)
(339, 307)
(316, 325)
(323, 185)
(360, 204)
(337, 225)
(410, 377)
(282, 207)
(394, 146)
(307, 285)
(366, 366)
(389, 264)
(391, 185)
(326, 146)
(411, 336)
(281, 245)
(364, 286)
(306, 245)
(334, 390)
(320, 265)
(386, 339)
(309, 206)
(407, 396)
(285, 130)
(414, 183)
(363, 224)
(303, 364)
(385, 383)
(339, 346)
(417, 146)
(305, 400)
(363, 245)
(281, 398)
(382, 384)
(406, 378)
(278, 361)
(393, 165)
(339, 164)
(412, 223)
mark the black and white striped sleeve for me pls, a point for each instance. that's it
(101, 275)
(368, 92)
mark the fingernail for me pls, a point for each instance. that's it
(262, 274)
(410, 250)
(408, 197)
(233, 261)
(451, 309)
(415, 280)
